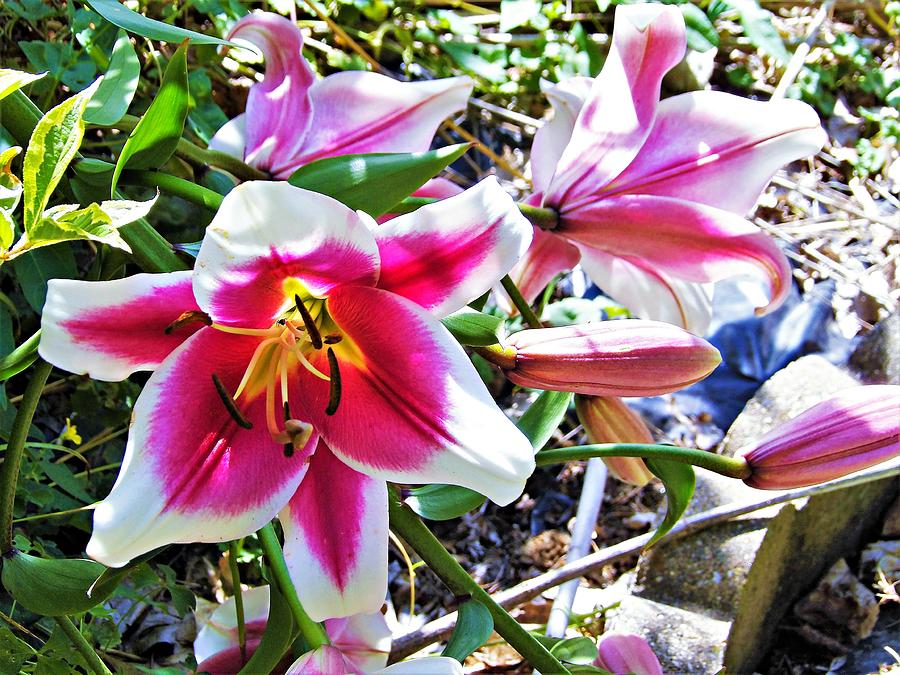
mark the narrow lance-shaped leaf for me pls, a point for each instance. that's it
(152, 142)
(50, 587)
(544, 416)
(119, 15)
(472, 328)
(20, 358)
(679, 480)
(53, 144)
(11, 80)
(375, 182)
(114, 96)
(474, 626)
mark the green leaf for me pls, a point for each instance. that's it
(474, 626)
(121, 16)
(701, 33)
(375, 182)
(35, 268)
(62, 476)
(679, 480)
(53, 144)
(50, 587)
(114, 96)
(472, 328)
(152, 142)
(277, 636)
(760, 30)
(443, 502)
(13, 651)
(580, 650)
(11, 80)
(20, 358)
(515, 13)
(543, 417)
(106, 583)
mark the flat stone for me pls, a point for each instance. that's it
(734, 582)
(877, 358)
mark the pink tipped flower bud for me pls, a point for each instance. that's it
(621, 653)
(611, 358)
(607, 419)
(854, 429)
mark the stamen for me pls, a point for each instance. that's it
(271, 423)
(312, 330)
(306, 364)
(230, 405)
(188, 317)
(332, 339)
(253, 361)
(334, 391)
(259, 332)
(289, 446)
(282, 365)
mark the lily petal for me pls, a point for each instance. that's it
(617, 117)
(428, 665)
(649, 293)
(324, 660)
(413, 408)
(335, 539)
(686, 240)
(365, 639)
(547, 256)
(266, 234)
(279, 109)
(190, 473)
(358, 112)
(110, 329)
(231, 138)
(551, 139)
(220, 630)
(443, 255)
(719, 149)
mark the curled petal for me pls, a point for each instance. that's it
(719, 149)
(630, 357)
(279, 111)
(220, 632)
(683, 239)
(413, 408)
(110, 329)
(617, 116)
(190, 473)
(266, 235)
(650, 293)
(548, 255)
(443, 255)
(551, 139)
(335, 539)
(357, 112)
(850, 431)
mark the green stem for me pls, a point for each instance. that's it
(233, 552)
(544, 218)
(179, 187)
(9, 470)
(524, 308)
(408, 525)
(200, 156)
(150, 250)
(78, 641)
(313, 633)
(733, 467)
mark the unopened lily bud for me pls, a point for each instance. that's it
(610, 358)
(854, 429)
(622, 653)
(607, 419)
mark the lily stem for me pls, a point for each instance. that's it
(312, 632)
(733, 467)
(524, 308)
(179, 187)
(233, 552)
(82, 645)
(408, 525)
(12, 460)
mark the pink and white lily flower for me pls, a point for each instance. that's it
(651, 194)
(291, 119)
(298, 367)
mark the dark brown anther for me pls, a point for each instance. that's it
(188, 317)
(332, 339)
(281, 322)
(230, 405)
(314, 336)
(334, 391)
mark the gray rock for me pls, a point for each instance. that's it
(877, 358)
(734, 582)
